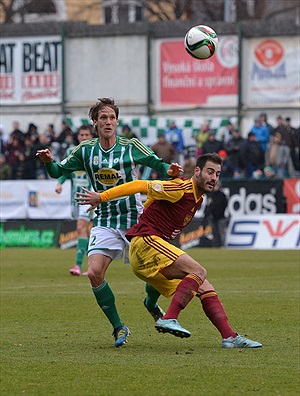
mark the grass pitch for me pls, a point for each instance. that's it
(56, 341)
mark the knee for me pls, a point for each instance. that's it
(96, 277)
(81, 229)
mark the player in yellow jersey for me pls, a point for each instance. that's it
(170, 207)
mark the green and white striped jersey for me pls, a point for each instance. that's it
(109, 168)
(78, 179)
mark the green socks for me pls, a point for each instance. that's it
(106, 301)
(81, 249)
(152, 297)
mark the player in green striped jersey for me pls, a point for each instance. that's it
(109, 160)
(79, 179)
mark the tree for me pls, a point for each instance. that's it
(204, 11)
(13, 10)
(164, 10)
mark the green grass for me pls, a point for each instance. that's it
(55, 340)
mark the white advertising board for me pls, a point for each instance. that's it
(273, 71)
(34, 199)
(31, 70)
(278, 231)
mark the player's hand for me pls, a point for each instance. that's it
(174, 169)
(88, 198)
(58, 188)
(45, 155)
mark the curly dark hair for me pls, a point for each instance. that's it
(103, 102)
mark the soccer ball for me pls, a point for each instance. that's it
(201, 42)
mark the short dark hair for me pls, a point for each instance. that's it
(103, 102)
(213, 157)
(87, 127)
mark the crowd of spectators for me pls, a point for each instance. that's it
(18, 159)
(266, 152)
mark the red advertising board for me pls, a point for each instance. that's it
(292, 195)
(188, 81)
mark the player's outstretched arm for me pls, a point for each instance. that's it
(94, 199)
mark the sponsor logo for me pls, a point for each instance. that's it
(187, 219)
(251, 203)
(268, 74)
(157, 187)
(33, 199)
(95, 160)
(278, 231)
(108, 176)
(269, 53)
(227, 53)
(24, 237)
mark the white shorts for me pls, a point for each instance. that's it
(80, 212)
(110, 242)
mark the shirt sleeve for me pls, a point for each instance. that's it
(165, 190)
(62, 179)
(131, 188)
(143, 155)
(155, 190)
(68, 165)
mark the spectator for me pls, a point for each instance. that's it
(292, 140)
(12, 150)
(251, 155)
(264, 121)
(32, 130)
(278, 156)
(64, 145)
(127, 132)
(237, 174)
(23, 169)
(164, 149)
(228, 132)
(215, 211)
(212, 145)
(50, 132)
(175, 137)
(226, 170)
(188, 167)
(280, 127)
(201, 137)
(66, 131)
(269, 173)
(5, 169)
(16, 132)
(258, 174)
(2, 140)
(41, 172)
(29, 152)
(262, 133)
(233, 149)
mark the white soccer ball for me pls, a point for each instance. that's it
(201, 42)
